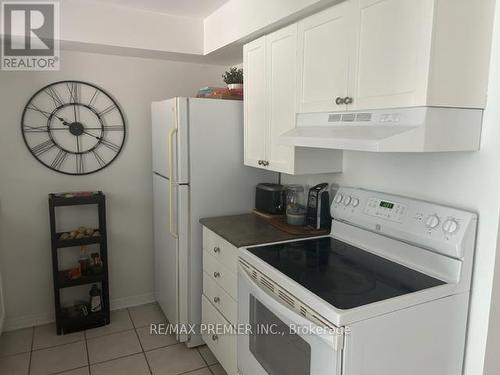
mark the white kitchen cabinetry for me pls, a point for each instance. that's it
(270, 65)
(326, 44)
(220, 299)
(255, 111)
(374, 54)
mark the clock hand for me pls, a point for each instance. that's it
(64, 122)
(91, 135)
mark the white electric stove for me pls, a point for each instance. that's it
(386, 293)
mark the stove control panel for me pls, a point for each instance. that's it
(441, 228)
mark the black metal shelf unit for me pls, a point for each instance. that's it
(64, 323)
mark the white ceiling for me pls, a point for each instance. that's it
(185, 8)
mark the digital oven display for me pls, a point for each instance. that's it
(388, 205)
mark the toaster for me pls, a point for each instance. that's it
(270, 198)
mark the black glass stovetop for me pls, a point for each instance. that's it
(343, 275)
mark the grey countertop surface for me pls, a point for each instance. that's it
(246, 230)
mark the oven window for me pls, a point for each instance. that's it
(278, 351)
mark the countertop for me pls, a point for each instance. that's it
(246, 230)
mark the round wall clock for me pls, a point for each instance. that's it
(73, 127)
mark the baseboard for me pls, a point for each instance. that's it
(141, 299)
(12, 324)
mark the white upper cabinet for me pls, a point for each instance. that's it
(326, 42)
(375, 54)
(254, 60)
(281, 71)
(270, 65)
(394, 46)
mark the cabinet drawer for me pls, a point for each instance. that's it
(219, 273)
(226, 305)
(223, 346)
(222, 250)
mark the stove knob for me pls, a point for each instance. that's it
(355, 202)
(347, 200)
(432, 222)
(450, 226)
(338, 198)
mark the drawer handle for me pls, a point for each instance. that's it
(216, 275)
(216, 249)
(215, 337)
(339, 100)
(216, 299)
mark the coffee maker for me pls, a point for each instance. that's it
(318, 207)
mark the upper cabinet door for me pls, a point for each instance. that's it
(326, 42)
(281, 80)
(394, 47)
(254, 61)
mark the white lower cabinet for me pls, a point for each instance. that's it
(220, 299)
(223, 346)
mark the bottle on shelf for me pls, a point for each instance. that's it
(95, 299)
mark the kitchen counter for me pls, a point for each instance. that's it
(246, 230)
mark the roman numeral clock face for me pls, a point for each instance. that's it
(73, 127)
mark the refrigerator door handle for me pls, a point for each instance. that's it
(171, 134)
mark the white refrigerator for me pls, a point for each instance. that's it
(198, 172)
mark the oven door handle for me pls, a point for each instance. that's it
(333, 340)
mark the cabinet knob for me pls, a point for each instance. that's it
(216, 249)
(215, 337)
(348, 100)
(339, 100)
(216, 275)
(216, 299)
(265, 163)
(261, 162)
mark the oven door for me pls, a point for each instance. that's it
(273, 347)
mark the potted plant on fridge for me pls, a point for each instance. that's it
(234, 79)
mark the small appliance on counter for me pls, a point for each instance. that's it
(296, 210)
(270, 198)
(318, 207)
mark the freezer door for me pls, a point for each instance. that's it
(171, 249)
(170, 139)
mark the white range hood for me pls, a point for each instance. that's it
(418, 129)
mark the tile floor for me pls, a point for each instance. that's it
(124, 347)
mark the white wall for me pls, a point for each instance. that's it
(24, 183)
(238, 20)
(111, 25)
(470, 180)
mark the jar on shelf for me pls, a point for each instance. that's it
(296, 205)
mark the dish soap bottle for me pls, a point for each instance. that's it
(95, 299)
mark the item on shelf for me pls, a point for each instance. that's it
(81, 232)
(73, 273)
(65, 236)
(296, 205)
(78, 311)
(96, 263)
(95, 299)
(84, 262)
(81, 194)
